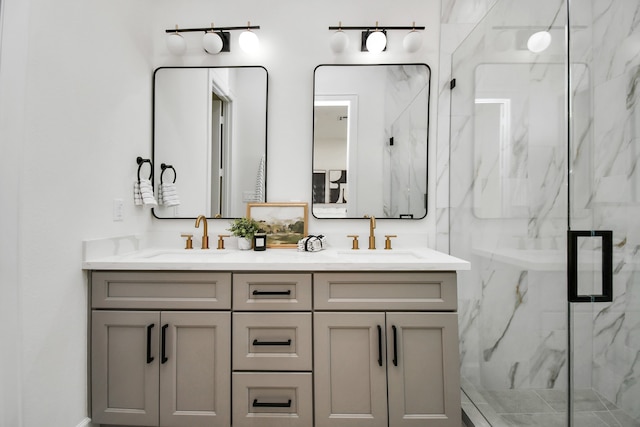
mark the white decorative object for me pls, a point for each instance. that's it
(244, 244)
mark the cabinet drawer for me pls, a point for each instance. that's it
(272, 341)
(418, 291)
(272, 292)
(161, 290)
(272, 399)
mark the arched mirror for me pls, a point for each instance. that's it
(370, 141)
(210, 126)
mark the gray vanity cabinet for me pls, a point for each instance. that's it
(153, 366)
(390, 364)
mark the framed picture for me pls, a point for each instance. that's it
(284, 223)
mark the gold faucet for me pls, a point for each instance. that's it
(205, 231)
(372, 226)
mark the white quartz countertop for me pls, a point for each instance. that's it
(279, 260)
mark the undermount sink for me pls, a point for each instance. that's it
(379, 254)
(178, 254)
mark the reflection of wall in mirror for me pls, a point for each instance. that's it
(249, 126)
(366, 197)
(180, 108)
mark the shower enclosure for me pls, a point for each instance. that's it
(545, 203)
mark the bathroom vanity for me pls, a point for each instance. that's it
(276, 338)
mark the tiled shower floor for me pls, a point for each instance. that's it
(544, 408)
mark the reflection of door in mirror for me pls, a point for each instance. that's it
(210, 124)
(334, 153)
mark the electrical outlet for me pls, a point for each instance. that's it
(118, 210)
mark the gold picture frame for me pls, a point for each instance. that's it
(283, 223)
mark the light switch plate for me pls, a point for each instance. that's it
(118, 210)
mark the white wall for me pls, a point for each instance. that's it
(75, 112)
(294, 39)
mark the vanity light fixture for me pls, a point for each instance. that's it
(215, 39)
(374, 39)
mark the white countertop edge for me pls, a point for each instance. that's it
(280, 260)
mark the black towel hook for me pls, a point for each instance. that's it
(140, 161)
(164, 167)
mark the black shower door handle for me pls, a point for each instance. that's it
(607, 266)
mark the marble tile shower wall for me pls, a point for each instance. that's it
(457, 19)
(401, 162)
(513, 310)
(615, 194)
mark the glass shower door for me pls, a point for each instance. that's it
(545, 203)
(604, 215)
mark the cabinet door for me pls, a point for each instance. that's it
(195, 369)
(124, 366)
(423, 369)
(350, 378)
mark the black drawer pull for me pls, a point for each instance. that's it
(257, 404)
(288, 292)
(287, 342)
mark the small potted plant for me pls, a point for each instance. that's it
(244, 229)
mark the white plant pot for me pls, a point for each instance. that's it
(244, 244)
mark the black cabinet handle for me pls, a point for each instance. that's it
(395, 345)
(149, 356)
(379, 345)
(164, 343)
(287, 342)
(257, 404)
(256, 292)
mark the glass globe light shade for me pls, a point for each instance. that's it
(212, 43)
(249, 41)
(539, 41)
(339, 41)
(376, 42)
(412, 41)
(176, 44)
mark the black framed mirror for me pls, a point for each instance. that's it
(210, 127)
(370, 140)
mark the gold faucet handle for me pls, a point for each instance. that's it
(221, 240)
(387, 242)
(189, 243)
(354, 245)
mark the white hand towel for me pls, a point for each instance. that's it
(168, 194)
(143, 193)
(137, 197)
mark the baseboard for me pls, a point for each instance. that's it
(85, 423)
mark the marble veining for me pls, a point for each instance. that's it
(513, 331)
